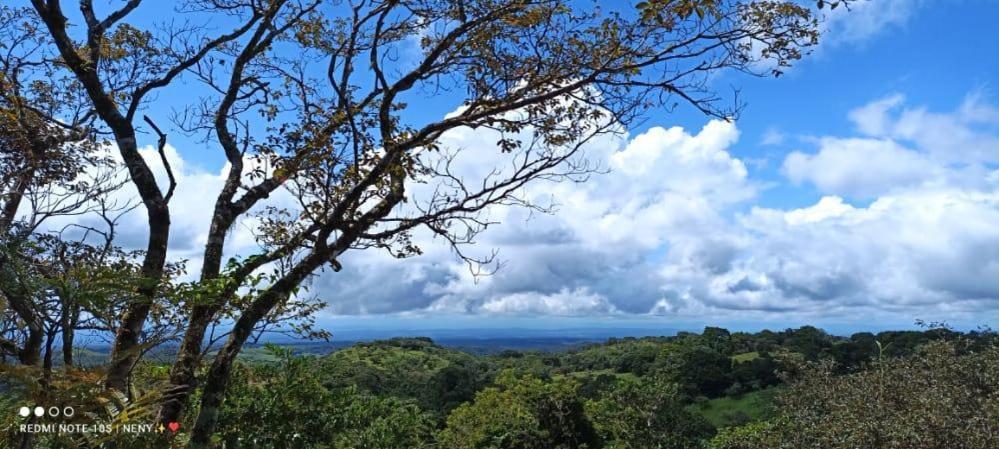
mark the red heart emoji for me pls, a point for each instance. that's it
(174, 426)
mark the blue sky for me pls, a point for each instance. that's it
(857, 191)
(936, 55)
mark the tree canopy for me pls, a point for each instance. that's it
(307, 99)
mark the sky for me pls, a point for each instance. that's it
(858, 191)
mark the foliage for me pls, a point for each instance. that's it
(80, 389)
(700, 369)
(941, 397)
(522, 413)
(646, 413)
(290, 408)
(308, 97)
(412, 393)
(438, 379)
(627, 355)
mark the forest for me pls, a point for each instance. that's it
(180, 181)
(801, 387)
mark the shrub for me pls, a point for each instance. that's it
(940, 398)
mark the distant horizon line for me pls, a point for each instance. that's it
(582, 334)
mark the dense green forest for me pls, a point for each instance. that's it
(718, 389)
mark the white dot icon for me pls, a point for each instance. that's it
(39, 411)
(24, 412)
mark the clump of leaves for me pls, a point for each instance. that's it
(946, 396)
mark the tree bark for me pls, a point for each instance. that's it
(127, 338)
(182, 374)
(31, 352)
(13, 202)
(216, 382)
(69, 314)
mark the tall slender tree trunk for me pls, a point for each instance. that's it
(216, 382)
(68, 323)
(126, 350)
(182, 374)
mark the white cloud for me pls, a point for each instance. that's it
(562, 303)
(660, 234)
(872, 119)
(921, 252)
(903, 148)
(964, 136)
(828, 207)
(595, 249)
(865, 19)
(672, 230)
(772, 136)
(860, 168)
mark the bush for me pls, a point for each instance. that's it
(285, 405)
(646, 413)
(939, 398)
(521, 413)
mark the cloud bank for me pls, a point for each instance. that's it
(904, 224)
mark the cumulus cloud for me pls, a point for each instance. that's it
(902, 148)
(865, 19)
(860, 168)
(564, 302)
(901, 250)
(595, 255)
(674, 229)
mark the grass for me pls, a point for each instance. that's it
(745, 357)
(610, 371)
(735, 410)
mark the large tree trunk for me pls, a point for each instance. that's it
(69, 320)
(126, 348)
(217, 379)
(31, 352)
(182, 374)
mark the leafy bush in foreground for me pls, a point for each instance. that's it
(285, 405)
(940, 398)
(529, 413)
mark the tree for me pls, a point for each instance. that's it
(646, 413)
(326, 126)
(292, 409)
(941, 397)
(438, 379)
(522, 413)
(807, 340)
(48, 156)
(699, 369)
